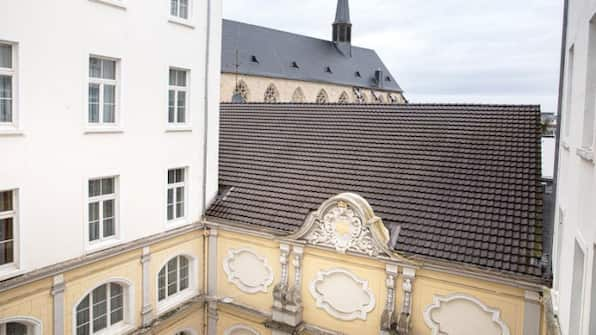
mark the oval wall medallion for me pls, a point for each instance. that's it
(342, 294)
(248, 271)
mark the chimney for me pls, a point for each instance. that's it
(379, 78)
(342, 28)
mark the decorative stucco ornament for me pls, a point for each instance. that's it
(346, 222)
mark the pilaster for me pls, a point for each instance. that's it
(147, 309)
(403, 324)
(532, 308)
(212, 281)
(58, 288)
(389, 319)
(287, 299)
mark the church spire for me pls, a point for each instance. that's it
(342, 28)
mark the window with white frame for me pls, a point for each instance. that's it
(101, 310)
(590, 103)
(7, 84)
(8, 217)
(577, 290)
(173, 278)
(569, 93)
(176, 194)
(102, 209)
(180, 8)
(177, 97)
(103, 91)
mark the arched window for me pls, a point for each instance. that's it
(20, 326)
(344, 98)
(381, 99)
(185, 332)
(376, 98)
(322, 97)
(241, 330)
(392, 99)
(104, 308)
(271, 94)
(241, 90)
(359, 96)
(298, 96)
(173, 278)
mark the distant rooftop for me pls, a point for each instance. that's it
(272, 53)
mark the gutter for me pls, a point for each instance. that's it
(206, 109)
(559, 119)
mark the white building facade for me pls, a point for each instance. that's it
(574, 253)
(108, 158)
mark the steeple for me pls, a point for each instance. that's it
(342, 28)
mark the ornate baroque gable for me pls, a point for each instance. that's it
(346, 222)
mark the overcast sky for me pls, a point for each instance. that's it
(481, 51)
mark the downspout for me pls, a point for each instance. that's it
(206, 109)
(558, 134)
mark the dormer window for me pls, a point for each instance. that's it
(295, 65)
(328, 69)
(358, 75)
(254, 59)
(387, 78)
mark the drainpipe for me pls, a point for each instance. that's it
(206, 109)
(558, 134)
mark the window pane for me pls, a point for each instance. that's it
(171, 106)
(6, 230)
(109, 69)
(171, 176)
(174, 7)
(94, 187)
(94, 67)
(170, 212)
(6, 201)
(181, 79)
(5, 99)
(172, 276)
(180, 210)
(93, 231)
(180, 194)
(116, 304)
(93, 103)
(83, 330)
(179, 175)
(161, 283)
(181, 107)
(108, 228)
(5, 87)
(172, 77)
(170, 196)
(183, 273)
(93, 211)
(100, 305)
(6, 252)
(5, 55)
(83, 312)
(184, 9)
(107, 186)
(109, 103)
(14, 328)
(108, 209)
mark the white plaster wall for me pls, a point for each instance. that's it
(577, 176)
(51, 161)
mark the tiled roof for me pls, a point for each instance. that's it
(462, 181)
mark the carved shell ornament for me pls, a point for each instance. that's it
(346, 222)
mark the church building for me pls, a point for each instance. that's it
(260, 64)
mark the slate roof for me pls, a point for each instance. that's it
(462, 181)
(276, 51)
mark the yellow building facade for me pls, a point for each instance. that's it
(333, 276)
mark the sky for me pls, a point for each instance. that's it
(475, 51)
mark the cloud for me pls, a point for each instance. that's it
(493, 51)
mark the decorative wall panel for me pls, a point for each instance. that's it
(248, 271)
(342, 294)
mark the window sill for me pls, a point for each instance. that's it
(104, 130)
(10, 131)
(173, 302)
(101, 245)
(586, 154)
(114, 3)
(182, 22)
(8, 271)
(179, 129)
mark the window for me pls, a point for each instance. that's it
(15, 328)
(569, 93)
(7, 84)
(173, 278)
(102, 209)
(344, 98)
(577, 290)
(176, 194)
(590, 103)
(179, 8)
(271, 94)
(103, 91)
(322, 97)
(240, 91)
(177, 97)
(101, 309)
(298, 96)
(8, 217)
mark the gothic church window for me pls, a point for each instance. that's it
(241, 90)
(271, 94)
(392, 99)
(359, 96)
(298, 96)
(344, 98)
(322, 97)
